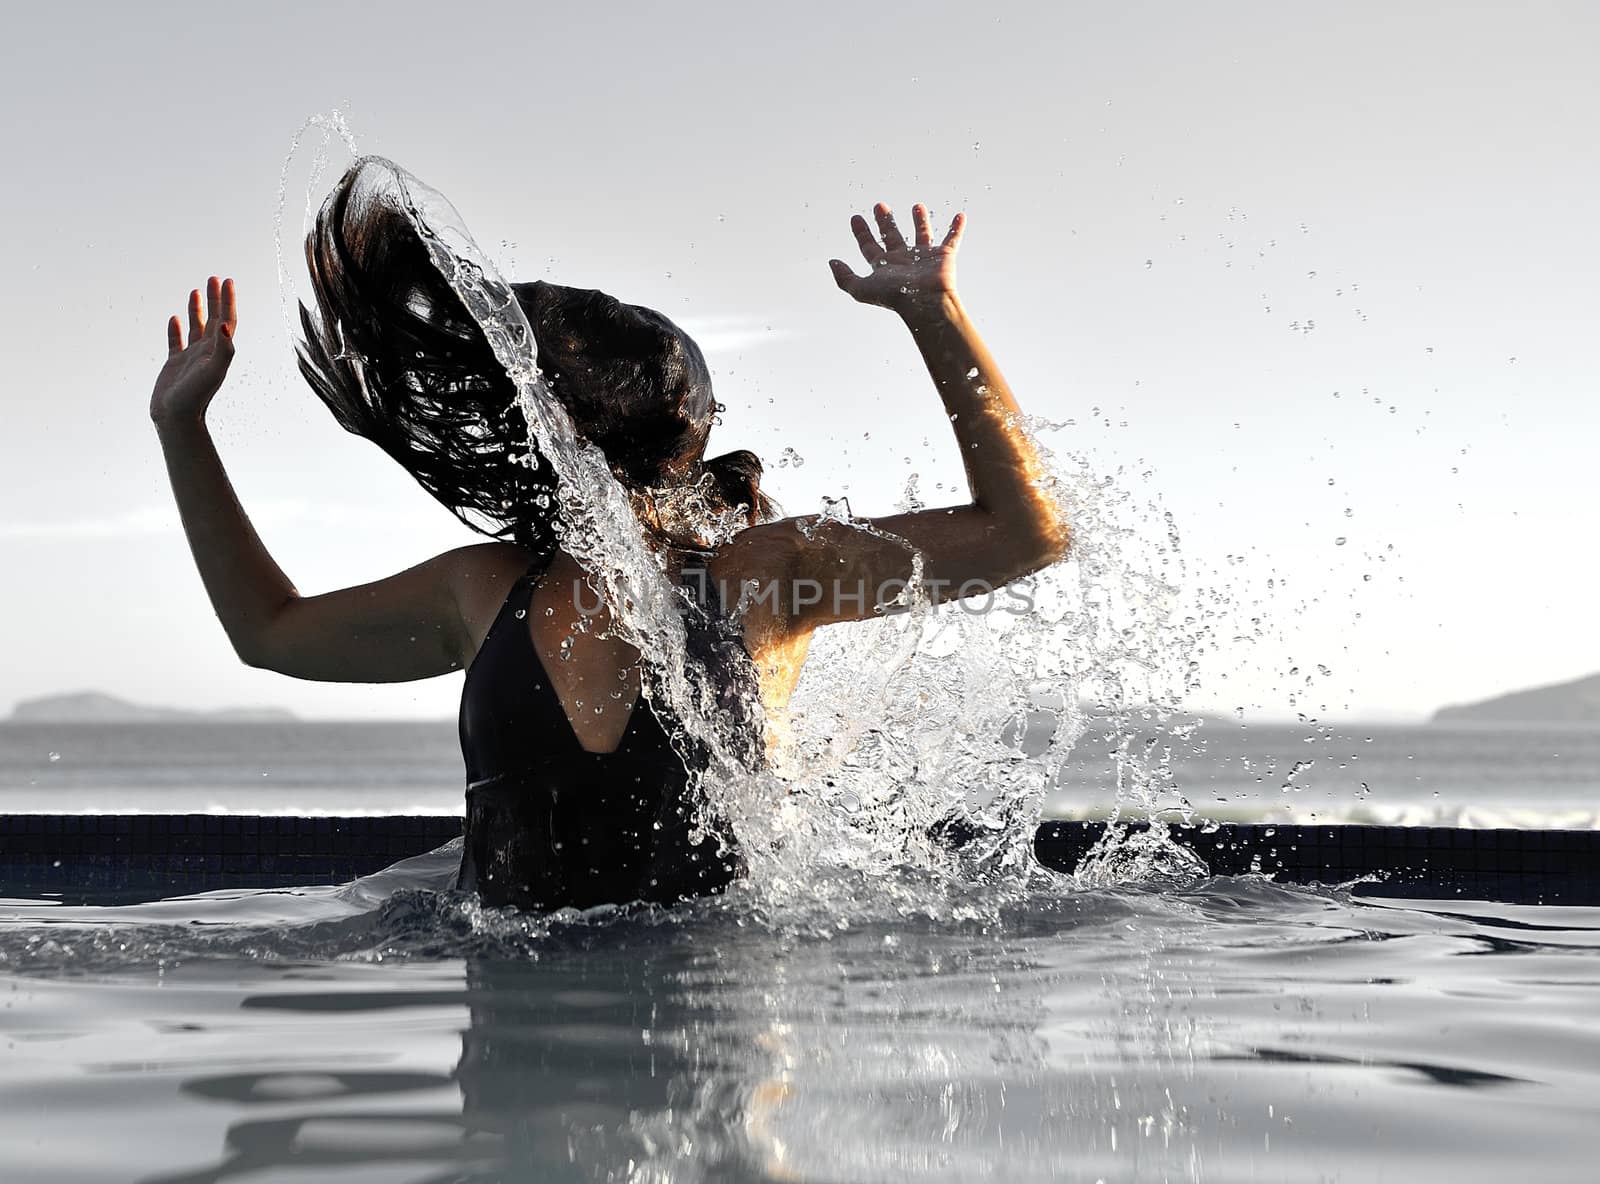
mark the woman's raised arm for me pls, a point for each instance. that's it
(823, 571)
(407, 626)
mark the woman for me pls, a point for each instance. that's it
(576, 791)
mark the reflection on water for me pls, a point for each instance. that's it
(1227, 1030)
(574, 1078)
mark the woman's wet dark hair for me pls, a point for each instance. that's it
(397, 359)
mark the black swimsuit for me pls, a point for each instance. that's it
(551, 824)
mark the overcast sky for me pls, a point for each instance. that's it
(1191, 225)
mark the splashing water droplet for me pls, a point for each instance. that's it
(1299, 768)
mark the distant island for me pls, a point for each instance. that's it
(93, 707)
(1576, 702)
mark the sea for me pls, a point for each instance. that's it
(1226, 770)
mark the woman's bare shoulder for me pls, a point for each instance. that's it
(492, 559)
(762, 553)
(755, 569)
(483, 573)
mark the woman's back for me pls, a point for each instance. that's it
(550, 820)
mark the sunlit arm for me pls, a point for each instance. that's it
(1014, 522)
(1012, 526)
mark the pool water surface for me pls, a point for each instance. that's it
(1225, 1029)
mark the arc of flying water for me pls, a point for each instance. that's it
(595, 521)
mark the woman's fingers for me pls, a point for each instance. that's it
(892, 238)
(230, 306)
(870, 250)
(196, 325)
(213, 302)
(953, 239)
(893, 262)
(220, 315)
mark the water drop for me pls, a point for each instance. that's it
(1299, 768)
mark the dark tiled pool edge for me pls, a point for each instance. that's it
(107, 857)
(1431, 862)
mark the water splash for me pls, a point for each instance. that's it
(330, 127)
(919, 747)
(596, 522)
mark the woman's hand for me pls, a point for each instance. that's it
(907, 278)
(194, 374)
